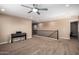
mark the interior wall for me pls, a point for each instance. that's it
(63, 26)
(47, 26)
(78, 29)
(11, 24)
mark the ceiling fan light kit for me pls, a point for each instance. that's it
(34, 10)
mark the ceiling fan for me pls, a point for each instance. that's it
(35, 8)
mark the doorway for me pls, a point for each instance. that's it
(74, 30)
(34, 28)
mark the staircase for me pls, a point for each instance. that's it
(48, 33)
(54, 34)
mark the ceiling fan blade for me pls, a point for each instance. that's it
(38, 13)
(35, 5)
(42, 9)
(27, 6)
(29, 11)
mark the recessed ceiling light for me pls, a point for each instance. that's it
(2, 9)
(67, 5)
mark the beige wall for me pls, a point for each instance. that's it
(10, 24)
(47, 26)
(62, 25)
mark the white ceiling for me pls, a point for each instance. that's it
(54, 10)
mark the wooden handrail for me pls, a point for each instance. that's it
(54, 33)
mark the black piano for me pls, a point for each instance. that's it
(17, 34)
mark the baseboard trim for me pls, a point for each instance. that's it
(10, 42)
(3, 43)
(64, 38)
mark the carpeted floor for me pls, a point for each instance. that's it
(39, 45)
